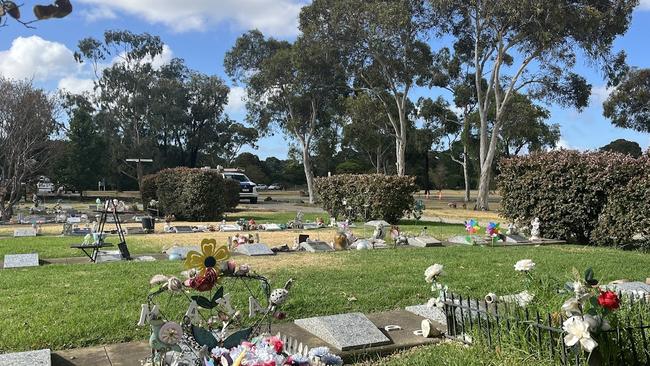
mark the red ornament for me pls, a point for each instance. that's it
(609, 300)
(276, 343)
(205, 282)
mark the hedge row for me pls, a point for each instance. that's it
(579, 197)
(367, 196)
(191, 194)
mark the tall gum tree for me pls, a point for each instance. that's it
(297, 87)
(529, 47)
(384, 51)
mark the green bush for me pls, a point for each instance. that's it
(566, 189)
(370, 196)
(195, 194)
(148, 188)
(627, 213)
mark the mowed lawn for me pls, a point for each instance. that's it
(67, 306)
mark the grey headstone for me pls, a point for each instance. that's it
(254, 249)
(78, 231)
(22, 232)
(182, 251)
(634, 289)
(74, 220)
(21, 260)
(310, 226)
(229, 228)
(183, 229)
(108, 256)
(316, 246)
(30, 358)
(345, 331)
(516, 238)
(467, 240)
(424, 242)
(134, 230)
(433, 313)
(271, 227)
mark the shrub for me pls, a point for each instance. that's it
(148, 188)
(370, 196)
(627, 213)
(195, 194)
(566, 189)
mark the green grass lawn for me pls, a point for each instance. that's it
(66, 306)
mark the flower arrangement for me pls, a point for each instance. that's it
(590, 311)
(431, 275)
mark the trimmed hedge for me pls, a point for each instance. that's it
(148, 188)
(371, 196)
(194, 194)
(627, 213)
(566, 189)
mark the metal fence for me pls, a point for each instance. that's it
(501, 325)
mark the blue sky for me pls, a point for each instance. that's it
(201, 31)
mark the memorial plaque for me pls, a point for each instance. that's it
(77, 231)
(183, 229)
(134, 230)
(467, 240)
(424, 242)
(74, 220)
(229, 228)
(316, 246)
(272, 227)
(255, 249)
(433, 313)
(633, 289)
(23, 232)
(108, 256)
(29, 358)
(310, 226)
(345, 331)
(21, 260)
(516, 238)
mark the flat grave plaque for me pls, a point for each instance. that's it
(316, 246)
(272, 227)
(310, 226)
(345, 331)
(134, 230)
(424, 242)
(433, 313)
(229, 228)
(21, 260)
(23, 232)
(255, 249)
(108, 256)
(29, 358)
(73, 220)
(516, 238)
(183, 229)
(633, 289)
(467, 240)
(81, 231)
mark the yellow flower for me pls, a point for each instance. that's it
(210, 255)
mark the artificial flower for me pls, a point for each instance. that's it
(331, 359)
(203, 282)
(319, 352)
(209, 257)
(578, 332)
(596, 323)
(524, 265)
(579, 289)
(609, 300)
(432, 272)
(435, 302)
(572, 307)
(276, 343)
(170, 333)
(174, 284)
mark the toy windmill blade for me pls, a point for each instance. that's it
(60, 9)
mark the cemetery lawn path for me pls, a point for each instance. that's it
(76, 305)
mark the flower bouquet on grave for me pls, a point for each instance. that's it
(191, 318)
(431, 275)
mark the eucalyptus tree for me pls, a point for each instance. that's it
(384, 50)
(529, 47)
(628, 105)
(525, 127)
(9, 9)
(296, 87)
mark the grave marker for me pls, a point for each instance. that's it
(271, 227)
(316, 246)
(21, 260)
(24, 232)
(134, 230)
(229, 228)
(467, 240)
(345, 331)
(424, 242)
(255, 249)
(183, 229)
(29, 358)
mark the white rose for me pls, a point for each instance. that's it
(578, 331)
(571, 307)
(432, 272)
(524, 265)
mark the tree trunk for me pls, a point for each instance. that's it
(139, 173)
(400, 152)
(309, 175)
(466, 174)
(379, 159)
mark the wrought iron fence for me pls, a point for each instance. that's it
(501, 325)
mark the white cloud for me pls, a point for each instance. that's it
(97, 13)
(236, 101)
(644, 5)
(36, 58)
(276, 17)
(600, 93)
(76, 85)
(563, 144)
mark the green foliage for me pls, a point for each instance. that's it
(627, 212)
(623, 146)
(149, 188)
(370, 196)
(350, 167)
(194, 194)
(567, 190)
(628, 106)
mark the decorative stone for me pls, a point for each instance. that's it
(181, 252)
(255, 249)
(467, 240)
(424, 242)
(29, 358)
(316, 246)
(183, 229)
(345, 331)
(21, 260)
(23, 232)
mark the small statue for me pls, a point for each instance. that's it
(534, 231)
(35, 200)
(512, 229)
(333, 222)
(341, 241)
(98, 202)
(379, 232)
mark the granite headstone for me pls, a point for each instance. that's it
(183, 229)
(254, 249)
(23, 232)
(21, 260)
(316, 246)
(345, 331)
(29, 358)
(424, 242)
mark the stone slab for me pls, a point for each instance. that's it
(135, 230)
(21, 260)
(24, 232)
(126, 354)
(467, 240)
(635, 289)
(78, 231)
(516, 238)
(108, 256)
(229, 228)
(183, 229)
(345, 331)
(95, 356)
(424, 242)
(310, 226)
(435, 314)
(181, 251)
(316, 246)
(271, 227)
(253, 250)
(31, 358)
(74, 220)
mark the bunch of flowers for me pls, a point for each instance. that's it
(431, 275)
(269, 351)
(589, 311)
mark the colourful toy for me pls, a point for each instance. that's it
(493, 229)
(472, 226)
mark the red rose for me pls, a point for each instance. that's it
(205, 282)
(609, 300)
